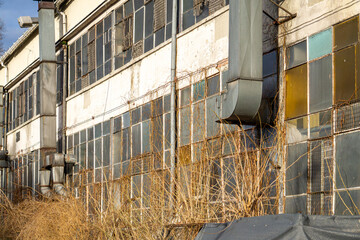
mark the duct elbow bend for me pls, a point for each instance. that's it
(58, 180)
(45, 188)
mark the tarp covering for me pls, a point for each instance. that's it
(284, 226)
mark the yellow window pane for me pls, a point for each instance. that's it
(346, 33)
(296, 92)
(344, 63)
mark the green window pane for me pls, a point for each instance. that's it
(344, 63)
(199, 90)
(346, 33)
(320, 44)
(296, 92)
(296, 54)
(320, 84)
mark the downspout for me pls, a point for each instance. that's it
(6, 105)
(6, 72)
(242, 101)
(173, 94)
(63, 22)
(64, 95)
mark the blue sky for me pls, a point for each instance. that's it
(10, 10)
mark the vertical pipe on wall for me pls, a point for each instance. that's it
(64, 95)
(173, 90)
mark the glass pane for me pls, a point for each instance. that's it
(187, 5)
(99, 51)
(296, 92)
(157, 134)
(347, 160)
(106, 127)
(157, 107)
(98, 132)
(347, 202)
(149, 18)
(146, 111)
(159, 36)
(344, 63)
(199, 121)
(136, 140)
(320, 82)
(135, 116)
(149, 43)
(167, 131)
(295, 204)
(106, 150)
(138, 4)
(128, 8)
(320, 124)
(167, 103)
(117, 125)
(136, 189)
(185, 96)
(125, 144)
(188, 19)
(212, 114)
(139, 25)
(270, 63)
(116, 147)
(83, 156)
(98, 153)
(90, 155)
(126, 120)
(346, 33)
(320, 44)
(213, 85)
(296, 54)
(146, 137)
(229, 177)
(199, 90)
(296, 169)
(184, 126)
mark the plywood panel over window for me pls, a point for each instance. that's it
(296, 92)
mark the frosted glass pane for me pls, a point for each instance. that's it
(296, 92)
(296, 54)
(320, 44)
(320, 83)
(346, 33)
(344, 63)
(347, 160)
(296, 169)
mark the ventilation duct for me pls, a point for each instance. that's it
(244, 83)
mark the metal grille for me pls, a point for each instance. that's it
(138, 49)
(215, 5)
(91, 56)
(159, 14)
(347, 117)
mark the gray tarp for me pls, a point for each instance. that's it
(284, 226)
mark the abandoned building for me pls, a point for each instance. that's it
(120, 98)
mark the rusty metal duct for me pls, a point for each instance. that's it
(244, 82)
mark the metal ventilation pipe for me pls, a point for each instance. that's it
(244, 84)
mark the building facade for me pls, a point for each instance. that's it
(113, 106)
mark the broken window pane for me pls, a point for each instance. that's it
(320, 124)
(139, 25)
(344, 63)
(297, 130)
(320, 84)
(296, 92)
(213, 85)
(346, 33)
(296, 169)
(296, 54)
(185, 96)
(347, 160)
(212, 114)
(199, 121)
(185, 126)
(199, 90)
(320, 44)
